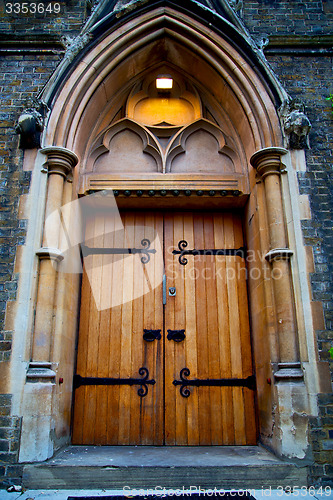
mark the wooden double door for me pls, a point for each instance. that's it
(164, 351)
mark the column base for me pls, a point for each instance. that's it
(41, 371)
(289, 372)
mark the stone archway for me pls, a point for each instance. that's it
(240, 101)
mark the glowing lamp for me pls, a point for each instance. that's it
(164, 82)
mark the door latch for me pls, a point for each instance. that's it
(151, 335)
(172, 291)
(176, 335)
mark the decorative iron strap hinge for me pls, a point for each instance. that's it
(142, 382)
(237, 252)
(145, 250)
(248, 382)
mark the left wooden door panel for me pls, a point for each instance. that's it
(121, 296)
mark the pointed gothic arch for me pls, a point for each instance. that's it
(164, 35)
(240, 96)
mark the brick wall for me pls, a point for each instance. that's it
(31, 47)
(21, 76)
(322, 442)
(288, 17)
(68, 20)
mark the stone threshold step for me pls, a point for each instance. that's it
(226, 496)
(232, 477)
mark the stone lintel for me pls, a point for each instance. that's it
(289, 372)
(279, 254)
(268, 161)
(60, 160)
(40, 371)
(50, 253)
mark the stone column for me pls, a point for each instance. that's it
(60, 162)
(268, 164)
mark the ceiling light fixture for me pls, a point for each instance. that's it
(164, 82)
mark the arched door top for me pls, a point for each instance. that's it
(99, 83)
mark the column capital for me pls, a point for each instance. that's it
(268, 161)
(50, 253)
(60, 160)
(279, 254)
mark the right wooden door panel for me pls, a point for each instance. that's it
(211, 305)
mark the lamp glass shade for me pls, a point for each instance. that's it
(164, 82)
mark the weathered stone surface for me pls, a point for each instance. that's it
(233, 477)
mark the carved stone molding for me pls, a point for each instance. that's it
(30, 125)
(296, 124)
(224, 159)
(226, 149)
(237, 5)
(289, 372)
(60, 160)
(41, 371)
(74, 45)
(268, 161)
(102, 148)
(278, 254)
(50, 253)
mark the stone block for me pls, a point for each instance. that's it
(35, 439)
(328, 469)
(4, 445)
(8, 458)
(327, 444)
(14, 471)
(325, 399)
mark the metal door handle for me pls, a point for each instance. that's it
(151, 335)
(176, 335)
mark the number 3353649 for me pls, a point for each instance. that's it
(32, 8)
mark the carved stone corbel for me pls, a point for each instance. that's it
(296, 125)
(30, 125)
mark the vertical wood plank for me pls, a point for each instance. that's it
(170, 371)
(91, 411)
(158, 389)
(179, 347)
(137, 360)
(126, 334)
(213, 334)
(224, 332)
(85, 319)
(104, 335)
(148, 416)
(115, 340)
(235, 337)
(249, 421)
(78, 423)
(191, 334)
(202, 334)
